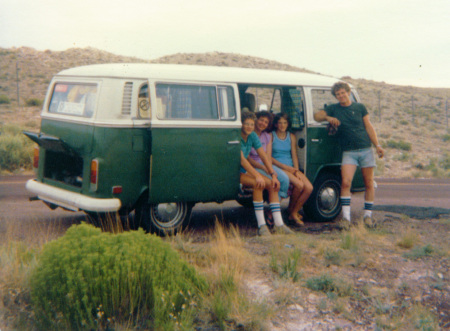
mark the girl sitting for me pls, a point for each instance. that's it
(284, 156)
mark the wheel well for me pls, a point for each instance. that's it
(335, 170)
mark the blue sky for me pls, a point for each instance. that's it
(404, 42)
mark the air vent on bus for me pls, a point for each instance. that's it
(126, 102)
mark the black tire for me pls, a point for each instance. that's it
(245, 197)
(164, 218)
(246, 202)
(324, 204)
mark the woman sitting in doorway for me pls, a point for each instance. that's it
(284, 156)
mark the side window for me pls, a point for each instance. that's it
(321, 98)
(73, 99)
(144, 102)
(292, 104)
(194, 102)
(227, 105)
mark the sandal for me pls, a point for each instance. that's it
(269, 219)
(298, 221)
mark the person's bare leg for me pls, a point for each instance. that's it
(347, 173)
(304, 194)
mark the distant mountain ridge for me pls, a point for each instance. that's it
(407, 114)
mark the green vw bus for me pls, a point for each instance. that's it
(159, 138)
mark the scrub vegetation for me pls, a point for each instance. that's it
(16, 150)
(406, 118)
(393, 277)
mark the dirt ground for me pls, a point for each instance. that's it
(385, 283)
(393, 286)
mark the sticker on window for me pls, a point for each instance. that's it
(71, 108)
(60, 88)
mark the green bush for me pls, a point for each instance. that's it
(419, 252)
(90, 280)
(33, 102)
(327, 284)
(403, 145)
(4, 99)
(16, 150)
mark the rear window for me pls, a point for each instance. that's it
(73, 99)
(193, 102)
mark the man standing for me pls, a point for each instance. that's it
(355, 133)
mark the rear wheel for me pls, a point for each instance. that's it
(324, 204)
(164, 218)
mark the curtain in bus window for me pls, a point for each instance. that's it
(293, 106)
(186, 102)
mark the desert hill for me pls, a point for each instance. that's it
(411, 122)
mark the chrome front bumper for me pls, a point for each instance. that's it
(71, 200)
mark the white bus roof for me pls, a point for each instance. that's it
(199, 73)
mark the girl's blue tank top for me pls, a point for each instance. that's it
(281, 149)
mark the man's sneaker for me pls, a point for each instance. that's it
(283, 229)
(344, 224)
(368, 222)
(263, 231)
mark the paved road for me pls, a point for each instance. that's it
(421, 198)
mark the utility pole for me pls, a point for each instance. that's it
(17, 79)
(379, 105)
(446, 112)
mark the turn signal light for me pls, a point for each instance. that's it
(117, 189)
(94, 174)
(36, 157)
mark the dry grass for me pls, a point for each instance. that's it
(357, 278)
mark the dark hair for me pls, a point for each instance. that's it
(340, 85)
(278, 117)
(268, 115)
(246, 115)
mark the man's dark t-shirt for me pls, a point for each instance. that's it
(351, 133)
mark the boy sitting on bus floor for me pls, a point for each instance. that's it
(252, 178)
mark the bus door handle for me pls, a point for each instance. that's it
(316, 140)
(233, 142)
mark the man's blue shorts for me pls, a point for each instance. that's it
(360, 157)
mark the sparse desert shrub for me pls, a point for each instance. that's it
(333, 257)
(408, 240)
(445, 161)
(89, 280)
(350, 242)
(326, 283)
(15, 149)
(403, 157)
(33, 102)
(4, 99)
(402, 145)
(419, 252)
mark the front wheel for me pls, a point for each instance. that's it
(324, 204)
(164, 218)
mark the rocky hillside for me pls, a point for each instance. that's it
(411, 122)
